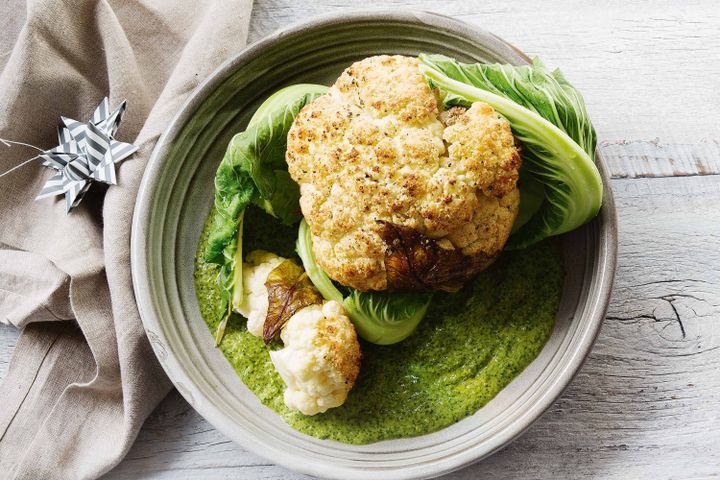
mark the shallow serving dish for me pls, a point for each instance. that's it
(176, 195)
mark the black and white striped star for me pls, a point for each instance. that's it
(86, 152)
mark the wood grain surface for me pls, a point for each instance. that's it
(647, 402)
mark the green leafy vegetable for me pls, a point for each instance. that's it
(532, 196)
(548, 116)
(317, 275)
(253, 170)
(383, 318)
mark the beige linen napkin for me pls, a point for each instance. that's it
(83, 377)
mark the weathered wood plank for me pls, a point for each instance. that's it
(8, 337)
(646, 404)
(647, 69)
(638, 159)
(10, 25)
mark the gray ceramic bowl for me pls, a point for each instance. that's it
(175, 198)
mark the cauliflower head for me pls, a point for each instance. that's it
(254, 305)
(377, 154)
(320, 360)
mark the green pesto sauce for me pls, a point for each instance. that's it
(470, 345)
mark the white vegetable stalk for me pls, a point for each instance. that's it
(237, 294)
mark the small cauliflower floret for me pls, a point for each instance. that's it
(254, 305)
(320, 360)
(321, 357)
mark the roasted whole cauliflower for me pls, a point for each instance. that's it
(320, 360)
(399, 194)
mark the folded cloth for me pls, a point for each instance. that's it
(83, 377)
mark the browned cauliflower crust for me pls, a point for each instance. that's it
(378, 149)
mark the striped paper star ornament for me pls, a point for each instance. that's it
(86, 152)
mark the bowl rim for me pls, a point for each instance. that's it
(607, 239)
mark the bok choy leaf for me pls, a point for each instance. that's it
(382, 318)
(549, 118)
(253, 170)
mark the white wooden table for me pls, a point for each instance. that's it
(647, 402)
